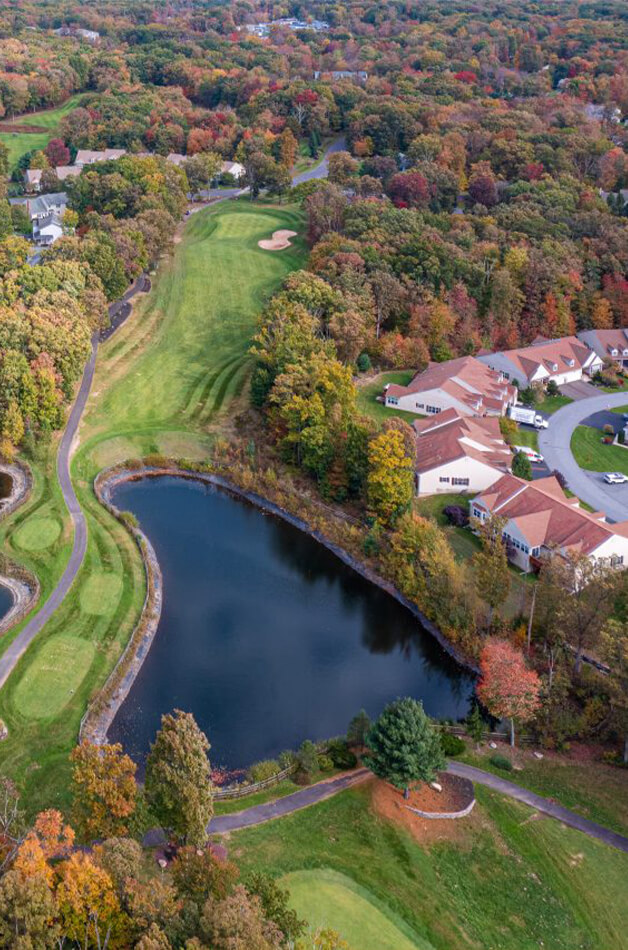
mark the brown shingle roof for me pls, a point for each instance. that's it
(450, 436)
(465, 378)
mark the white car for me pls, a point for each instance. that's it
(615, 478)
(531, 453)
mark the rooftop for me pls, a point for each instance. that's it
(449, 436)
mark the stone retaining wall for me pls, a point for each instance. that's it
(448, 815)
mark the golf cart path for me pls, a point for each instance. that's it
(259, 814)
(555, 446)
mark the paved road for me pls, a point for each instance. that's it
(320, 170)
(25, 637)
(554, 445)
(259, 814)
(544, 805)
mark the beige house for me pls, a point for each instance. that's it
(542, 520)
(608, 344)
(464, 384)
(456, 453)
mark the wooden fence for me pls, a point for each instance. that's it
(241, 791)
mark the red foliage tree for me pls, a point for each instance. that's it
(507, 687)
(57, 152)
(409, 189)
(465, 75)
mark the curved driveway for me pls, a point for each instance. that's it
(555, 446)
(320, 170)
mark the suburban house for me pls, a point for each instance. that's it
(46, 214)
(233, 168)
(564, 361)
(355, 75)
(464, 384)
(608, 344)
(86, 156)
(32, 176)
(456, 452)
(176, 158)
(542, 520)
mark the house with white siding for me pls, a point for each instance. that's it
(458, 453)
(540, 520)
(564, 361)
(464, 384)
(610, 345)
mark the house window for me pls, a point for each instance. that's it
(535, 552)
(477, 513)
(392, 401)
(433, 410)
(617, 559)
(420, 405)
(460, 481)
(443, 479)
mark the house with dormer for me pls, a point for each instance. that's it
(610, 345)
(464, 384)
(564, 361)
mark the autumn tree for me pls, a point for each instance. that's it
(288, 148)
(403, 747)
(178, 778)
(89, 910)
(238, 923)
(342, 168)
(57, 153)
(614, 650)
(27, 912)
(521, 466)
(390, 480)
(104, 789)
(507, 687)
(490, 565)
(275, 904)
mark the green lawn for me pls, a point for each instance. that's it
(552, 404)
(18, 143)
(593, 789)
(527, 437)
(591, 453)
(368, 392)
(503, 881)
(328, 899)
(620, 410)
(164, 383)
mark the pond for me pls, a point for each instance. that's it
(265, 635)
(6, 601)
(6, 484)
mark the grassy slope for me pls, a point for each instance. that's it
(369, 391)
(505, 882)
(591, 453)
(160, 383)
(18, 143)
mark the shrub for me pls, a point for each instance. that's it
(608, 429)
(364, 362)
(128, 518)
(552, 388)
(325, 763)
(307, 762)
(456, 515)
(452, 745)
(560, 478)
(341, 755)
(501, 762)
(286, 759)
(260, 771)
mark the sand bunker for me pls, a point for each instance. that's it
(278, 242)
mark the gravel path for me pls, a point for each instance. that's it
(555, 446)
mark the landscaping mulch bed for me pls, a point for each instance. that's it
(457, 793)
(390, 804)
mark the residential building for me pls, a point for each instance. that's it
(86, 156)
(459, 453)
(46, 214)
(608, 344)
(233, 168)
(541, 520)
(286, 23)
(175, 158)
(355, 75)
(92, 36)
(464, 384)
(564, 361)
(32, 176)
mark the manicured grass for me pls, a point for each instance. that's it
(502, 880)
(53, 675)
(369, 391)
(620, 410)
(18, 143)
(328, 899)
(432, 506)
(527, 437)
(593, 789)
(552, 404)
(166, 382)
(280, 790)
(591, 453)
(37, 534)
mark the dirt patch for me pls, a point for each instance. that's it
(279, 241)
(388, 802)
(8, 127)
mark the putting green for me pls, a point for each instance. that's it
(101, 593)
(326, 898)
(53, 676)
(37, 534)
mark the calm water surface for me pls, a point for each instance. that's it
(266, 636)
(6, 600)
(6, 484)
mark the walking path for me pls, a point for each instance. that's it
(258, 814)
(555, 446)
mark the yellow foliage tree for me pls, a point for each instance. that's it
(390, 476)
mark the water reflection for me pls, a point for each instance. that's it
(265, 635)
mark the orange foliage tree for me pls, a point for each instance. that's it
(105, 793)
(507, 687)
